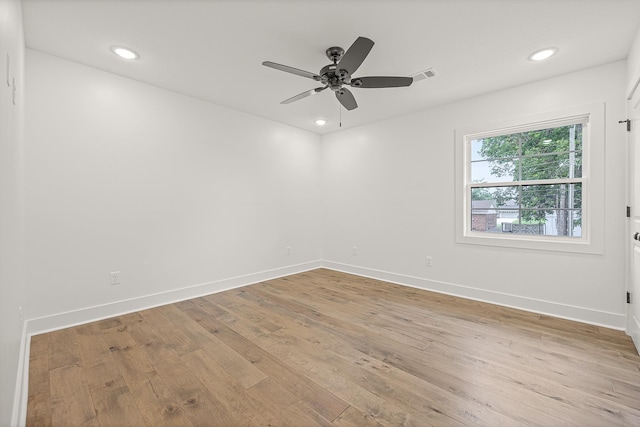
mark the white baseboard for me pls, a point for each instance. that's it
(564, 311)
(117, 308)
(635, 332)
(21, 394)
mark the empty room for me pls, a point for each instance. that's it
(332, 213)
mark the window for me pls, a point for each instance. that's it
(529, 184)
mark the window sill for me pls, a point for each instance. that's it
(560, 244)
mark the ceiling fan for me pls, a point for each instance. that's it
(339, 74)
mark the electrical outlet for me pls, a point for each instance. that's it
(288, 250)
(427, 261)
(115, 278)
(355, 250)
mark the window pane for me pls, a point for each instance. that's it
(551, 209)
(565, 222)
(556, 196)
(490, 204)
(552, 140)
(552, 166)
(501, 197)
(486, 171)
(495, 147)
(553, 153)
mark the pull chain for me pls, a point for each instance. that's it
(340, 110)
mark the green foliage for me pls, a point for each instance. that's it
(481, 194)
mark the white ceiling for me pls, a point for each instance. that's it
(213, 50)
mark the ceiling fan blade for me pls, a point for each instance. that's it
(303, 95)
(378, 82)
(291, 70)
(346, 99)
(355, 55)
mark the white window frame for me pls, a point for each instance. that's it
(593, 153)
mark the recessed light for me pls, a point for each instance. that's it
(543, 54)
(321, 122)
(125, 53)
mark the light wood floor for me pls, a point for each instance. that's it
(326, 348)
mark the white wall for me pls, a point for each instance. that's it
(388, 190)
(633, 63)
(171, 191)
(12, 286)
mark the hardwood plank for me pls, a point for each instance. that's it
(239, 367)
(100, 367)
(112, 398)
(172, 336)
(229, 391)
(114, 404)
(39, 398)
(158, 406)
(156, 399)
(198, 403)
(63, 349)
(131, 359)
(351, 417)
(70, 397)
(290, 409)
(39, 345)
(231, 307)
(321, 400)
(156, 402)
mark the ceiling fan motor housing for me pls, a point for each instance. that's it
(333, 77)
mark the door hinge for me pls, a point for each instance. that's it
(628, 211)
(628, 297)
(628, 122)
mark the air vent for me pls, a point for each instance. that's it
(426, 74)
